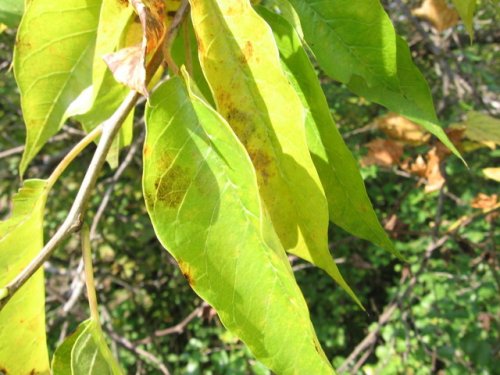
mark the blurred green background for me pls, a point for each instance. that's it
(438, 314)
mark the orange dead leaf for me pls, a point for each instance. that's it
(383, 152)
(484, 201)
(129, 64)
(428, 169)
(400, 128)
(435, 179)
(438, 13)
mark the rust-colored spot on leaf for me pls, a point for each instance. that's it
(172, 186)
(262, 163)
(247, 52)
(187, 272)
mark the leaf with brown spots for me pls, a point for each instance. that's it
(129, 64)
(253, 94)
(23, 346)
(210, 217)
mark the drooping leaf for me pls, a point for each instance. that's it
(202, 196)
(355, 43)
(23, 348)
(11, 12)
(349, 205)
(466, 9)
(53, 64)
(85, 352)
(241, 64)
(129, 63)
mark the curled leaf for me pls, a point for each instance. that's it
(129, 64)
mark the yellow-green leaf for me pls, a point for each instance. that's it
(85, 352)
(202, 196)
(23, 348)
(241, 63)
(53, 64)
(482, 128)
(349, 205)
(465, 9)
(107, 94)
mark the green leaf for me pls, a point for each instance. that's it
(349, 205)
(355, 43)
(11, 12)
(202, 196)
(53, 64)
(465, 9)
(241, 63)
(85, 352)
(23, 348)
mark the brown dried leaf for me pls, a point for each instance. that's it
(129, 64)
(400, 128)
(484, 201)
(435, 179)
(438, 13)
(383, 152)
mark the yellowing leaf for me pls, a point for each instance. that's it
(85, 353)
(129, 64)
(107, 93)
(348, 203)
(202, 196)
(23, 348)
(241, 63)
(53, 64)
(438, 13)
(492, 173)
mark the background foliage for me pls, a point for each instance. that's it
(445, 302)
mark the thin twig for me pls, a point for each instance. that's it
(172, 33)
(178, 328)
(89, 273)
(73, 221)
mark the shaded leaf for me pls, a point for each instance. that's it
(241, 64)
(53, 64)
(11, 12)
(438, 13)
(85, 352)
(129, 64)
(202, 196)
(355, 43)
(349, 205)
(466, 9)
(23, 348)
